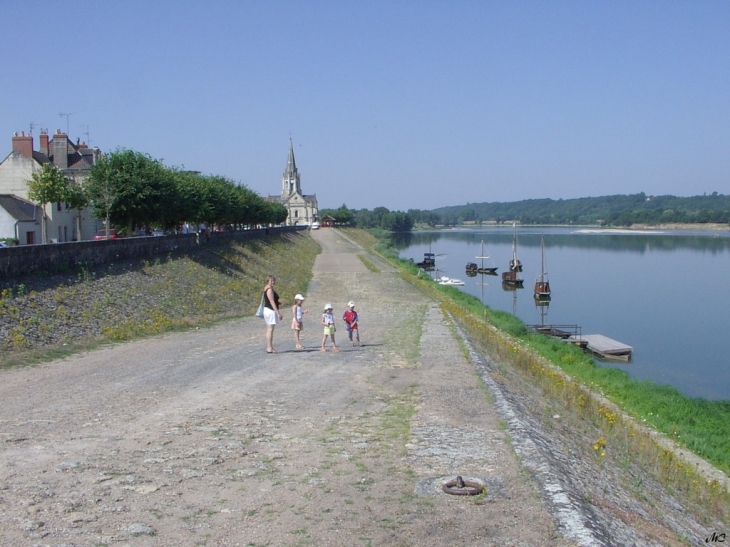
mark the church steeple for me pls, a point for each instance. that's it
(290, 180)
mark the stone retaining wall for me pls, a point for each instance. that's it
(55, 257)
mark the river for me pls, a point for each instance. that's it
(663, 292)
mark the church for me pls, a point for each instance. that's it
(302, 209)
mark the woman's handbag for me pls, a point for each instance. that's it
(260, 311)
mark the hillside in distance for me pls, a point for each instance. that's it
(616, 210)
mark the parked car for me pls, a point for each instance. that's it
(101, 234)
(315, 226)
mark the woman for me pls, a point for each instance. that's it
(272, 315)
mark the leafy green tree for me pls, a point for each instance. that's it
(47, 186)
(396, 221)
(102, 189)
(131, 187)
(77, 200)
(342, 215)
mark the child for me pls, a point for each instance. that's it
(350, 317)
(297, 322)
(328, 320)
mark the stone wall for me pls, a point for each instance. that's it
(26, 259)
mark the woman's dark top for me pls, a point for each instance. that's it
(267, 304)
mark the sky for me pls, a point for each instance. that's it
(402, 104)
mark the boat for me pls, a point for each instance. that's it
(428, 262)
(542, 285)
(443, 280)
(515, 266)
(473, 267)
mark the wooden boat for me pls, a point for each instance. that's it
(515, 266)
(542, 285)
(428, 262)
(481, 268)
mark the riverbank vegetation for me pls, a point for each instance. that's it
(627, 411)
(617, 210)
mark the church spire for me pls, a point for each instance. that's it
(290, 180)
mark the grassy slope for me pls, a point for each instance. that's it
(45, 317)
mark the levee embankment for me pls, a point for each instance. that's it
(198, 437)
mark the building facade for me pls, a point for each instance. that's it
(302, 209)
(62, 224)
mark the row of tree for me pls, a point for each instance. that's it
(129, 189)
(380, 217)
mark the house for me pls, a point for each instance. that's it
(328, 221)
(74, 161)
(19, 217)
(302, 209)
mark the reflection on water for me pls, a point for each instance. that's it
(664, 293)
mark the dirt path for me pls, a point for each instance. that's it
(201, 438)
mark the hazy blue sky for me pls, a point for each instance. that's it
(404, 104)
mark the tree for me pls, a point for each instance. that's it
(77, 200)
(396, 221)
(47, 186)
(101, 190)
(131, 187)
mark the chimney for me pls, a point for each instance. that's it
(60, 149)
(44, 142)
(23, 143)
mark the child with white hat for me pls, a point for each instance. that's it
(297, 322)
(351, 318)
(328, 320)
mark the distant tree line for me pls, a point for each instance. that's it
(130, 189)
(380, 217)
(616, 210)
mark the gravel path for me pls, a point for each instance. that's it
(201, 438)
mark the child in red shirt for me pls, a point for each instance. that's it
(350, 317)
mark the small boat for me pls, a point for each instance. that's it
(443, 280)
(515, 266)
(542, 285)
(472, 267)
(428, 262)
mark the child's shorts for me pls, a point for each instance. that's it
(329, 330)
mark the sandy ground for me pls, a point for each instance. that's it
(201, 438)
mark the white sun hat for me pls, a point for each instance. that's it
(298, 297)
(328, 307)
(350, 304)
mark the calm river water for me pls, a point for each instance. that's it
(665, 293)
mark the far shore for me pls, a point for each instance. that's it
(708, 226)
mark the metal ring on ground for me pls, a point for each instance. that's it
(460, 487)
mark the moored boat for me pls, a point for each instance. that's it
(428, 262)
(542, 285)
(473, 267)
(515, 266)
